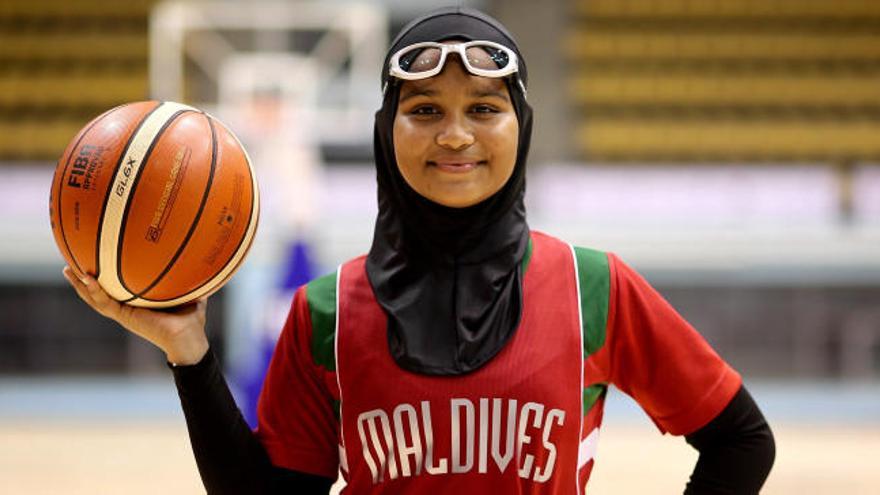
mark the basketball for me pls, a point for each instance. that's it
(156, 200)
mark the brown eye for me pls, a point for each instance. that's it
(424, 110)
(484, 109)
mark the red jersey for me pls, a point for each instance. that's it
(525, 422)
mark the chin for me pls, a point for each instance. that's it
(457, 201)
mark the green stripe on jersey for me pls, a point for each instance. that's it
(321, 296)
(592, 394)
(527, 257)
(594, 283)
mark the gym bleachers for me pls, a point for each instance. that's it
(63, 63)
(726, 80)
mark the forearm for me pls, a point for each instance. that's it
(230, 458)
(736, 450)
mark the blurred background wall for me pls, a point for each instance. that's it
(728, 149)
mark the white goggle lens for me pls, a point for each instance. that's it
(487, 58)
(423, 59)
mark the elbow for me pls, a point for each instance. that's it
(763, 448)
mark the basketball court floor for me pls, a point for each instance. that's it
(128, 436)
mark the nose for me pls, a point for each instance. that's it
(455, 134)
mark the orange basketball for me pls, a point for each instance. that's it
(157, 200)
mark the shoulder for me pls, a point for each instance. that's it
(320, 295)
(594, 270)
(586, 258)
(594, 267)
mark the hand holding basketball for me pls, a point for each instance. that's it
(179, 332)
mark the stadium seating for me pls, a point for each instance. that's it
(725, 80)
(61, 64)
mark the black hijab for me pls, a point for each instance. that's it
(449, 279)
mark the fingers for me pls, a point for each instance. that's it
(201, 304)
(81, 290)
(202, 308)
(88, 289)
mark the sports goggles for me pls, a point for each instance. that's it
(427, 59)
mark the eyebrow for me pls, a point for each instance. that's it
(482, 93)
(417, 92)
(477, 93)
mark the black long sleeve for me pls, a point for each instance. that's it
(231, 460)
(736, 450)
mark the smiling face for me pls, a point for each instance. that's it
(455, 136)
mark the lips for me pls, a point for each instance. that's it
(457, 166)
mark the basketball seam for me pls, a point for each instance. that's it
(61, 184)
(124, 220)
(110, 187)
(234, 251)
(221, 282)
(195, 221)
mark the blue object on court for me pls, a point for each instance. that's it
(297, 270)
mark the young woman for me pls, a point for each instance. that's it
(465, 353)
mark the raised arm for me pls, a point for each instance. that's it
(230, 458)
